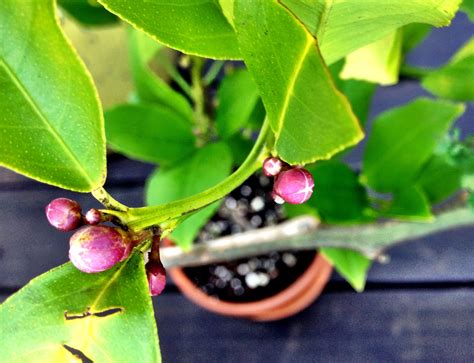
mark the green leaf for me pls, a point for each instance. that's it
(237, 98)
(468, 7)
(455, 80)
(150, 87)
(108, 317)
(227, 7)
(191, 26)
(240, 147)
(402, 141)
(52, 125)
(338, 196)
(378, 62)
(310, 118)
(410, 203)
(344, 26)
(414, 34)
(88, 12)
(470, 201)
(359, 93)
(206, 168)
(149, 132)
(439, 179)
(257, 116)
(295, 210)
(467, 181)
(349, 264)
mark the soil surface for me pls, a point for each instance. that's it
(251, 279)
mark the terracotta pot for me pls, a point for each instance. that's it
(286, 303)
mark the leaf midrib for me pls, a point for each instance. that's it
(16, 81)
(87, 326)
(292, 82)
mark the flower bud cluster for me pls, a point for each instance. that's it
(93, 247)
(293, 185)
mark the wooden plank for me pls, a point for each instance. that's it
(119, 169)
(341, 327)
(388, 326)
(446, 256)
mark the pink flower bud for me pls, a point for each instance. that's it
(93, 216)
(272, 166)
(64, 214)
(294, 186)
(98, 248)
(156, 275)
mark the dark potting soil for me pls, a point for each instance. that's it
(249, 279)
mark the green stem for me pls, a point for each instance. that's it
(197, 89)
(107, 201)
(181, 82)
(413, 71)
(170, 68)
(212, 73)
(141, 218)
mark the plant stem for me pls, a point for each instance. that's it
(413, 72)
(212, 73)
(107, 201)
(201, 120)
(305, 233)
(175, 75)
(141, 218)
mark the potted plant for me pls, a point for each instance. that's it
(293, 108)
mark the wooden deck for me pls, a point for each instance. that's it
(419, 307)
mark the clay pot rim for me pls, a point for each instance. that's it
(290, 301)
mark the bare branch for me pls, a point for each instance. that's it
(305, 233)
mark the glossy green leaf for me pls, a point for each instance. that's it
(455, 80)
(52, 126)
(88, 12)
(237, 98)
(338, 196)
(206, 168)
(149, 132)
(149, 86)
(439, 179)
(349, 264)
(403, 140)
(410, 203)
(344, 26)
(107, 317)
(311, 120)
(191, 26)
(378, 62)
